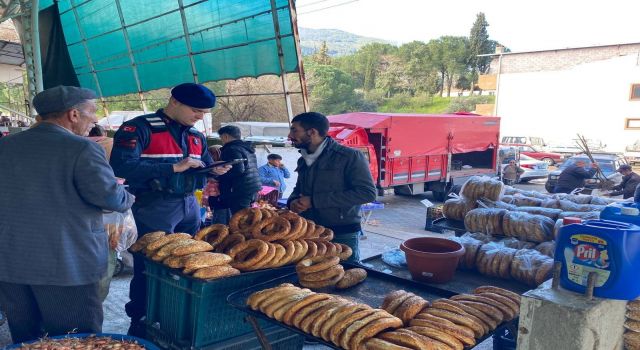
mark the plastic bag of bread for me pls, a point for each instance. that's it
(567, 205)
(485, 220)
(507, 198)
(551, 203)
(488, 203)
(548, 212)
(456, 208)
(482, 186)
(482, 237)
(584, 215)
(579, 198)
(528, 227)
(556, 228)
(531, 267)
(547, 248)
(523, 201)
(471, 247)
(516, 243)
(510, 190)
(494, 259)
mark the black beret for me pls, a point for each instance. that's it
(61, 98)
(194, 95)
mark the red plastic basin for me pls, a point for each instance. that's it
(432, 259)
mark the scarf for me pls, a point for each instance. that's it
(310, 158)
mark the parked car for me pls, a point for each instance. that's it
(632, 153)
(533, 168)
(531, 151)
(524, 140)
(608, 163)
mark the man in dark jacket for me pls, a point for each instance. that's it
(630, 181)
(333, 180)
(573, 177)
(239, 187)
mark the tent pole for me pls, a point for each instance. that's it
(131, 58)
(296, 41)
(283, 74)
(187, 40)
(89, 60)
(35, 40)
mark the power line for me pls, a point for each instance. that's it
(312, 3)
(328, 7)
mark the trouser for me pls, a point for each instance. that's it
(558, 189)
(240, 201)
(508, 182)
(35, 310)
(352, 240)
(105, 282)
(219, 215)
(168, 214)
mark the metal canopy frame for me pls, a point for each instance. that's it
(26, 17)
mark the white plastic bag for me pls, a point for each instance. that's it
(121, 229)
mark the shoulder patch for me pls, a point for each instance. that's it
(129, 128)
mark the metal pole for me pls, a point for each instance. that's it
(283, 76)
(89, 60)
(35, 40)
(187, 40)
(131, 58)
(495, 106)
(296, 40)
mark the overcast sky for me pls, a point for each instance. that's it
(520, 25)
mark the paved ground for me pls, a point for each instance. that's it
(402, 218)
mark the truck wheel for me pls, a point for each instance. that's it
(549, 161)
(548, 187)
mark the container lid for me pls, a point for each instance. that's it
(571, 220)
(630, 211)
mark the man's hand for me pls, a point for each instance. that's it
(301, 204)
(594, 165)
(187, 164)
(276, 183)
(221, 170)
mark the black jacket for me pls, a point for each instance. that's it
(627, 187)
(573, 177)
(243, 179)
(338, 182)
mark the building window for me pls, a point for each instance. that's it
(635, 92)
(632, 124)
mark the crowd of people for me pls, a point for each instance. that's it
(65, 172)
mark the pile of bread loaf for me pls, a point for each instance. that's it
(181, 251)
(325, 271)
(509, 258)
(475, 188)
(403, 321)
(632, 326)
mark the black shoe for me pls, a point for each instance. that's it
(137, 329)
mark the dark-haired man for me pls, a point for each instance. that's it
(333, 180)
(630, 181)
(239, 187)
(274, 172)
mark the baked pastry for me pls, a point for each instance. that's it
(351, 278)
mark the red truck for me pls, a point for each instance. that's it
(414, 153)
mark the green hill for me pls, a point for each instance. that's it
(339, 42)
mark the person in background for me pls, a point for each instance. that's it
(574, 176)
(630, 181)
(51, 262)
(511, 173)
(99, 135)
(274, 172)
(333, 180)
(211, 194)
(153, 152)
(239, 187)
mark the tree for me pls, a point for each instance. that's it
(322, 55)
(478, 44)
(455, 58)
(418, 67)
(331, 90)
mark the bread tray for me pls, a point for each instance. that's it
(371, 292)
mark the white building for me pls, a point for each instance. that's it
(555, 94)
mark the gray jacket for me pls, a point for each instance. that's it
(338, 182)
(54, 186)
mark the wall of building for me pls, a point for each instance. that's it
(12, 74)
(589, 96)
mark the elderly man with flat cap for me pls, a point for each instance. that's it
(53, 246)
(155, 154)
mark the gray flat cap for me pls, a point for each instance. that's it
(61, 98)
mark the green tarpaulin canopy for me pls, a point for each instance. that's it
(126, 46)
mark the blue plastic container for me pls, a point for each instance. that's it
(614, 212)
(608, 248)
